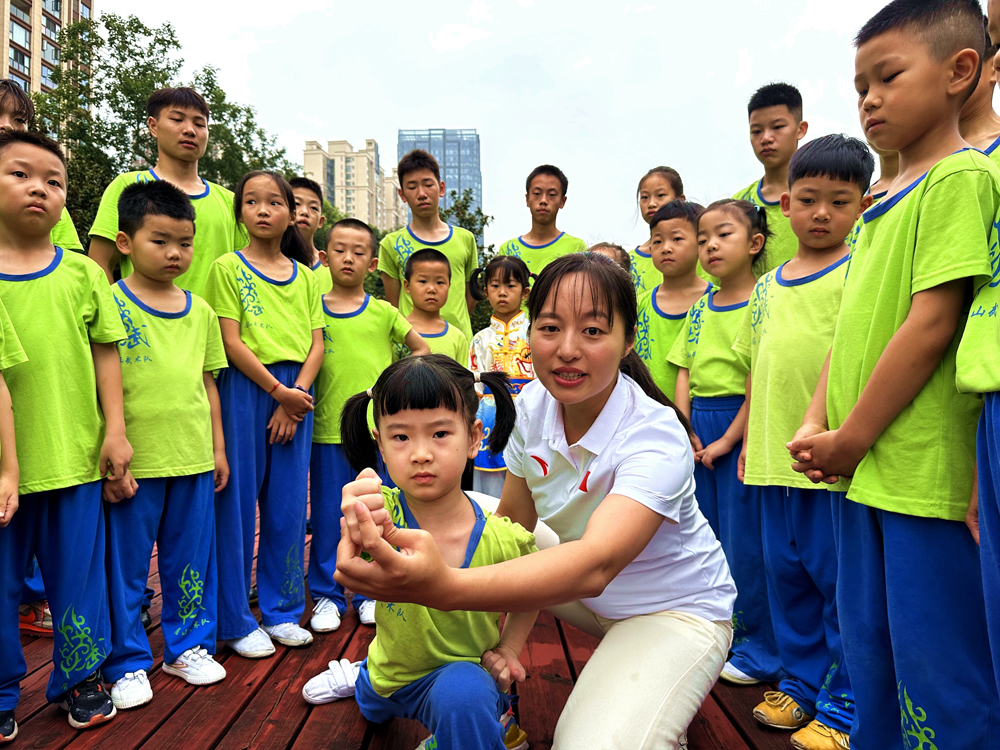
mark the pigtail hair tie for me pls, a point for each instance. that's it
(476, 377)
(370, 394)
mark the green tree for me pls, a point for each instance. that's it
(333, 215)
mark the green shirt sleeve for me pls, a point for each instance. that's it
(11, 351)
(106, 221)
(387, 260)
(64, 233)
(100, 312)
(462, 350)
(472, 262)
(744, 338)
(680, 353)
(215, 351)
(399, 326)
(221, 291)
(316, 305)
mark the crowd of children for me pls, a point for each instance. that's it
(833, 341)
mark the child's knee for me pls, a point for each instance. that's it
(465, 688)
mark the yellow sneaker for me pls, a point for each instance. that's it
(514, 737)
(818, 736)
(780, 711)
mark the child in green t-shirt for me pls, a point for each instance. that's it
(673, 245)
(827, 182)
(172, 346)
(449, 670)
(178, 120)
(359, 335)
(309, 219)
(658, 187)
(427, 281)
(545, 194)
(886, 411)
(422, 189)
(979, 123)
(70, 432)
(776, 127)
(711, 386)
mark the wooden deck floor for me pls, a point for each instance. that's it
(260, 706)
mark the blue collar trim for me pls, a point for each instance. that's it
(539, 247)
(436, 335)
(36, 274)
(357, 312)
(192, 197)
(782, 281)
(723, 308)
(451, 231)
(761, 198)
(269, 280)
(152, 310)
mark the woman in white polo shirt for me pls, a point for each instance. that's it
(610, 470)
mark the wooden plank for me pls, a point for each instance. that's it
(711, 730)
(579, 646)
(738, 703)
(549, 683)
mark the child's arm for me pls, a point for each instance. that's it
(416, 343)
(682, 396)
(741, 462)
(283, 425)
(722, 446)
(218, 438)
(470, 301)
(105, 253)
(972, 515)
(116, 453)
(392, 287)
(504, 662)
(10, 475)
(904, 368)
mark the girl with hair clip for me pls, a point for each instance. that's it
(502, 347)
(711, 389)
(424, 664)
(601, 456)
(268, 303)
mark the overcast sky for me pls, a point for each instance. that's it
(604, 90)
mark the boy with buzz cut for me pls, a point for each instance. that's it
(70, 432)
(828, 179)
(979, 123)
(545, 195)
(172, 347)
(178, 120)
(776, 127)
(887, 412)
(422, 189)
(309, 219)
(358, 344)
(427, 280)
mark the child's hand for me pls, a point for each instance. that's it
(807, 430)
(830, 456)
(741, 463)
(366, 489)
(504, 666)
(221, 470)
(282, 426)
(116, 455)
(714, 450)
(972, 515)
(116, 490)
(295, 402)
(8, 498)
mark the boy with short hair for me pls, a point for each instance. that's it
(178, 119)
(978, 123)
(827, 182)
(909, 585)
(427, 280)
(173, 344)
(776, 127)
(545, 194)
(421, 188)
(70, 427)
(309, 219)
(358, 344)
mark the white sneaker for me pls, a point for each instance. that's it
(366, 612)
(326, 616)
(256, 645)
(335, 683)
(197, 667)
(289, 634)
(132, 690)
(734, 676)
(425, 743)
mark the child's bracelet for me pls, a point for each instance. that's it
(276, 384)
(300, 388)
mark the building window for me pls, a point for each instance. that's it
(50, 52)
(20, 61)
(47, 76)
(50, 28)
(53, 6)
(22, 82)
(20, 9)
(20, 35)
(84, 11)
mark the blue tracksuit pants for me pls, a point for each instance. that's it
(34, 588)
(275, 477)
(65, 529)
(733, 511)
(801, 564)
(913, 624)
(459, 703)
(178, 514)
(988, 459)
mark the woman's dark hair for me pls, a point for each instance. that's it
(611, 291)
(754, 218)
(670, 174)
(292, 244)
(504, 268)
(430, 381)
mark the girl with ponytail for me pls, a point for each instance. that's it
(268, 303)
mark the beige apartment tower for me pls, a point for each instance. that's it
(355, 182)
(31, 38)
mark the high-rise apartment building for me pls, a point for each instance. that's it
(457, 152)
(355, 182)
(30, 41)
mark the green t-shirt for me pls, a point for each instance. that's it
(164, 357)
(451, 342)
(463, 255)
(657, 332)
(709, 332)
(922, 464)
(785, 365)
(536, 257)
(216, 229)
(11, 351)
(64, 234)
(357, 347)
(276, 318)
(323, 278)
(57, 312)
(412, 640)
(782, 245)
(645, 277)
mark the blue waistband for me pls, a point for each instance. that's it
(717, 403)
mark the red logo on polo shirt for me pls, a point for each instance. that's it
(583, 484)
(545, 466)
